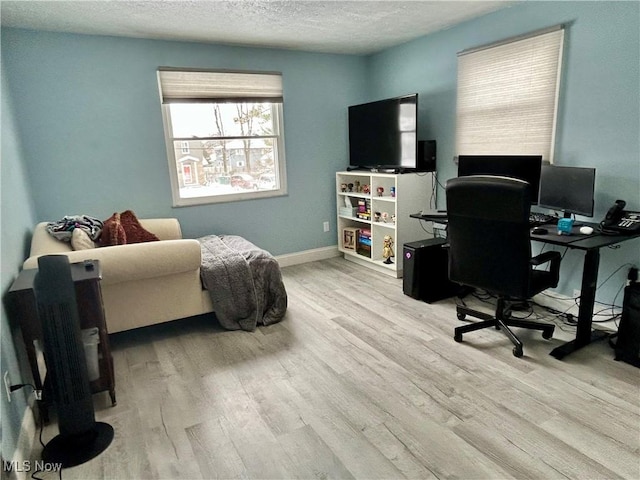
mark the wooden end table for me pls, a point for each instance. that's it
(86, 277)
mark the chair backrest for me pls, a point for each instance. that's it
(488, 233)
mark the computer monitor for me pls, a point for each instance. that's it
(570, 189)
(523, 167)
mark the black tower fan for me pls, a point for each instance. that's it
(81, 438)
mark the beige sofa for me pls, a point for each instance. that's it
(142, 283)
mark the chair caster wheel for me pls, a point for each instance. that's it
(461, 316)
(547, 334)
(457, 337)
(517, 352)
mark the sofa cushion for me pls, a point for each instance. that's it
(80, 240)
(123, 228)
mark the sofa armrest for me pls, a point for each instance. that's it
(43, 243)
(138, 261)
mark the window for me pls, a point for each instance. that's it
(508, 96)
(224, 134)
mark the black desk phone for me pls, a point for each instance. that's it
(618, 221)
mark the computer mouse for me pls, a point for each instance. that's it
(586, 230)
(539, 231)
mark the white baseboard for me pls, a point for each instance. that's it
(306, 256)
(24, 447)
(566, 304)
(557, 301)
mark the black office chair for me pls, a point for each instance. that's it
(489, 248)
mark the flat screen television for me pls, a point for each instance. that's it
(383, 134)
(570, 189)
(523, 167)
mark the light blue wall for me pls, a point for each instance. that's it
(91, 122)
(599, 110)
(82, 134)
(82, 129)
(17, 216)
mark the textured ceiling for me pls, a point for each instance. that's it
(353, 27)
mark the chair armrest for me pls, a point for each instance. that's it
(545, 257)
(554, 266)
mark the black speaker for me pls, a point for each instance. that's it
(628, 342)
(426, 156)
(425, 273)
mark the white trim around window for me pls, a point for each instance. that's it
(224, 135)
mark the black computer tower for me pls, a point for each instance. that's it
(426, 271)
(628, 342)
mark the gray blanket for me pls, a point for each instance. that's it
(244, 282)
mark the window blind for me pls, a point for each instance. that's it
(223, 86)
(508, 96)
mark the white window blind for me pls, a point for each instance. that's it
(198, 85)
(508, 96)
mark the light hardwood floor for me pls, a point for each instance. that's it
(362, 381)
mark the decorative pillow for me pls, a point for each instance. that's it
(122, 228)
(135, 232)
(112, 232)
(80, 240)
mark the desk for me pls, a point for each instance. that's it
(591, 245)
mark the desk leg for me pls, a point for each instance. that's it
(584, 334)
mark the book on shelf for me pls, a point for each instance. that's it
(364, 242)
(364, 209)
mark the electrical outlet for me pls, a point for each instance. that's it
(7, 385)
(325, 225)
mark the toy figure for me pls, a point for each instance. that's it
(385, 217)
(343, 187)
(365, 189)
(376, 216)
(380, 191)
(387, 249)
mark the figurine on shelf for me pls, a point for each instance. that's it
(393, 218)
(365, 189)
(350, 187)
(357, 186)
(385, 217)
(380, 191)
(343, 187)
(387, 249)
(376, 216)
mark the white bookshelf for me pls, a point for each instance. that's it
(413, 192)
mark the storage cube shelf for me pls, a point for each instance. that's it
(394, 197)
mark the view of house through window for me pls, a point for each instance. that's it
(231, 148)
(224, 149)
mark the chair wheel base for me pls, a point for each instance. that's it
(517, 352)
(457, 337)
(461, 316)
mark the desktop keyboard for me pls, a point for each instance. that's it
(536, 219)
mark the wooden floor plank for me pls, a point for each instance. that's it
(362, 381)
